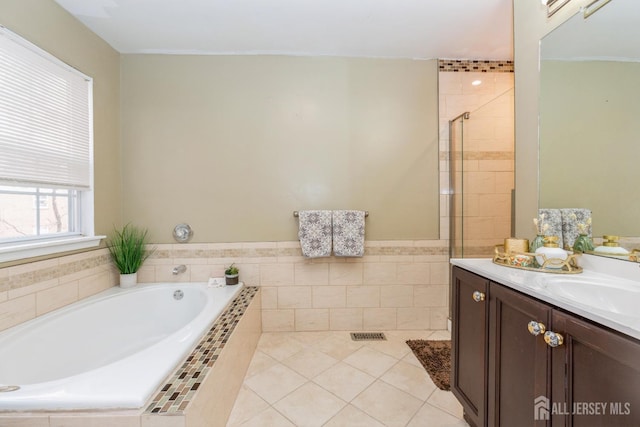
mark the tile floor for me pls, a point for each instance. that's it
(326, 379)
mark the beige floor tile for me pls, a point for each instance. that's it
(387, 404)
(350, 416)
(440, 335)
(279, 345)
(446, 401)
(310, 362)
(409, 335)
(269, 417)
(412, 360)
(312, 338)
(259, 363)
(431, 416)
(309, 406)
(275, 383)
(394, 348)
(344, 380)
(338, 347)
(371, 361)
(280, 367)
(248, 404)
(412, 379)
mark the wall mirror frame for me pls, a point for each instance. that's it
(588, 121)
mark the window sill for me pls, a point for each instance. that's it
(28, 250)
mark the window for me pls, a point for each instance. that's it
(46, 152)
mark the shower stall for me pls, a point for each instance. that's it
(481, 177)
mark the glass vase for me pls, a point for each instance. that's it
(583, 244)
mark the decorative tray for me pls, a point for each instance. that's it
(527, 261)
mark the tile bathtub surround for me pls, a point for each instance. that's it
(179, 390)
(237, 330)
(30, 290)
(395, 285)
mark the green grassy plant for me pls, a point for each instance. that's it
(128, 248)
(231, 270)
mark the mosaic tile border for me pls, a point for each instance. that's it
(482, 66)
(479, 155)
(176, 394)
(101, 259)
(293, 252)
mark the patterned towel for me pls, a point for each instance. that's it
(553, 219)
(571, 217)
(315, 233)
(348, 233)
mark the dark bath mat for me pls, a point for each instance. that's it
(435, 356)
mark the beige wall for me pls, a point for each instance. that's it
(530, 25)
(589, 149)
(47, 25)
(233, 145)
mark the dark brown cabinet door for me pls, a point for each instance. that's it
(601, 371)
(519, 360)
(469, 344)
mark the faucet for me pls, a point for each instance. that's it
(179, 269)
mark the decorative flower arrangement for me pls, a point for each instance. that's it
(541, 230)
(583, 242)
(583, 227)
(541, 227)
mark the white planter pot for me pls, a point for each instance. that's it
(128, 280)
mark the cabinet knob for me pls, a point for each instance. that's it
(478, 296)
(553, 339)
(536, 328)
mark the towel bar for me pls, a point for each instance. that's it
(295, 214)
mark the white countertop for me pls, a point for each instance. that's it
(593, 307)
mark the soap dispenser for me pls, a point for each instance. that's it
(610, 246)
(551, 251)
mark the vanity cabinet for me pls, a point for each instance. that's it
(511, 351)
(596, 365)
(469, 344)
(519, 362)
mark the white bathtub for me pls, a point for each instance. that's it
(111, 350)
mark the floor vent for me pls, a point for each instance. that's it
(368, 336)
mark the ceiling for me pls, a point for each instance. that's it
(452, 29)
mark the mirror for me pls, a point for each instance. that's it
(590, 118)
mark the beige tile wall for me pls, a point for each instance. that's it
(34, 289)
(488, 157)
(396, 285)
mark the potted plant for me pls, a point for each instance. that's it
(231, 275)
(128, 250)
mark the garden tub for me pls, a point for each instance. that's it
(109, 351)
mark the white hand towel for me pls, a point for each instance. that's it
(315, 233)
(348, 233)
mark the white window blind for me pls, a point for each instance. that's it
(45, 118)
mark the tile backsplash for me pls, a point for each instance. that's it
(33, 289)
(395, 285)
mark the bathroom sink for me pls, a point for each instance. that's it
(604, 294)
